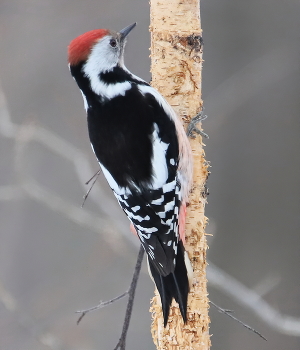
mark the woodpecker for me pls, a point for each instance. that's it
(144, 153)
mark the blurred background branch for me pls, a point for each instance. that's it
(252, 301)
(30, 132)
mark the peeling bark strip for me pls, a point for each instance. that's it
(176, 55)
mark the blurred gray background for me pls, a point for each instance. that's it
(56, 258)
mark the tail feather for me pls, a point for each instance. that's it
(175, 285)
(181, 300)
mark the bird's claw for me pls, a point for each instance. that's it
(191, 129)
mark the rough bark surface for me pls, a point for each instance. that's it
(176, 63)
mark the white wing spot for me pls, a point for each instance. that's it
(169, 206)
(136, 208)
(162, 214)
(136, 217)
(146, 230)
(169, 222)
(158, 201)
(168, 187)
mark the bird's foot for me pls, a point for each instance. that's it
(192, 128)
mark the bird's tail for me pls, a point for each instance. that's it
(174, 285)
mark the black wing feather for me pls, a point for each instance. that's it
(156, 227)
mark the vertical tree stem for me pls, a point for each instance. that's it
(176, 63)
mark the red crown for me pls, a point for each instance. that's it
(80, 47)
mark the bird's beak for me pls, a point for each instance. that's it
(124, 32)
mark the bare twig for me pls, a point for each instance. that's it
(131, 292)
(95, 175)
(88, 192)
(122, 341)
(229, 313)
(252, 301)
(100, 305)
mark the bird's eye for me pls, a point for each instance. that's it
(113, 43)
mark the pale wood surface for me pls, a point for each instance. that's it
(176, 63)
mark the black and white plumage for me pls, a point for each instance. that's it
(143, 152)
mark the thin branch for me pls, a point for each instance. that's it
(253, 301)
(88, 192)
(122, 341)
(229, 313)
(131, 292)
(94, 176)
(100, 305)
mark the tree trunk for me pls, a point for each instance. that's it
(176, 62)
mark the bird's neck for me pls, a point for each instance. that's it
(105, 83)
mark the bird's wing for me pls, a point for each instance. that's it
(155, 217)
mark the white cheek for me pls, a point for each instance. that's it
(104, 58)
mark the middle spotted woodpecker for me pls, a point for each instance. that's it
(144, 153)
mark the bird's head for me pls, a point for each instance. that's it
(99, 49)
